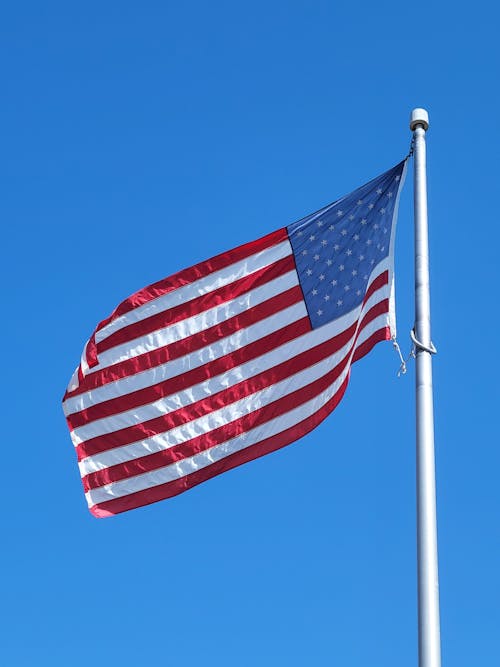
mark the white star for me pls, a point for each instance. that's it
(344, 232)
(397, 178)
(385, 230)
(316, 257)
(382, 248)
(331, 228)
(379, 191)
(309, 272)
(322, 277)
(320, 312)
(358, 292)
(329, 262)
(351, 217)
(375, 226)
(359, 202)
(334, 282)
(382, 211)
(356, 237)
(389, 194)
(304, 252)
(300, 232)
(314, 292)
(324, 242)
(361, 258)
(349, 253)
(312, 237)
(372, 262)
(378, 246)
(320, 223)
(347, 288)
(354, 272)
(364, 221)
(370, 206)
(365, 277)
(341, 267)
(336, 246)
(369, 242)
(340, 214)
(326, 297)
(339, 302)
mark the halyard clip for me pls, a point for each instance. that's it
(420, 346)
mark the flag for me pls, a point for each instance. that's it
(234, 357)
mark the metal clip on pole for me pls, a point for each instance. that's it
(420, 346)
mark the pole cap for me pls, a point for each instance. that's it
(419, 117)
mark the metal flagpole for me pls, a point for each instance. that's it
(427, 557)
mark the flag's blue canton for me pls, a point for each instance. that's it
(337, 247)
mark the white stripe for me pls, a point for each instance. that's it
(188, 362)
(224, 415)
(203, 459)
(196, 323)
(202, 356)
(73, 383)
(208, 283)
(162, 406)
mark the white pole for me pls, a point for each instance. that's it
(427, 556)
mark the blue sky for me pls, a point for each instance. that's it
(141, 138)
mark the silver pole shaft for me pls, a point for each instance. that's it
(427, 555)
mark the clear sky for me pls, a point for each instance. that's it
(140, 138)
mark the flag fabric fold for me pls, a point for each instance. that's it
(234, 357)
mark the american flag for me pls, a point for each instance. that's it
(234, 357)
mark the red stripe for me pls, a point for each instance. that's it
(189, 344)
(266, 446)
(187, 276)
(369, 343)
(190, 378)
(223, 433)
(197, 305)
(381, 280)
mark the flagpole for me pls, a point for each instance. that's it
(427, 555)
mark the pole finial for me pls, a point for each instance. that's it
(419, 117)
